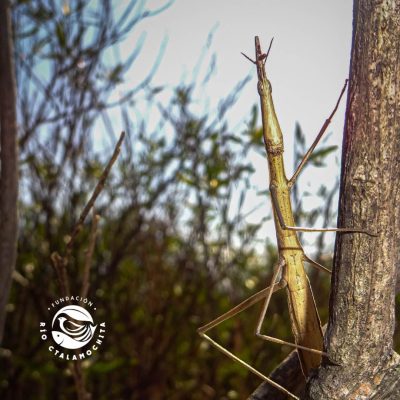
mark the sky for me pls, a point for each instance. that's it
(307, 67)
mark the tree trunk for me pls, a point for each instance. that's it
(9, 161)
(359, 338)
(361, 363)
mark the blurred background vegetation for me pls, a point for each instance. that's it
(175, 248)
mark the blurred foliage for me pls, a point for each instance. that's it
(174, 248)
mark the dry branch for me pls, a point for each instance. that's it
(97, 190)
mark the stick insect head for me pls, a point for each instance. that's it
(271, 130)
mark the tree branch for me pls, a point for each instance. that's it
(97, 190)
(9, 161)
(89, 255)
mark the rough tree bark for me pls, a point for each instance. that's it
(8, 160)
(361, 363)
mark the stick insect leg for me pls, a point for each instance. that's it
(301, 229)
(296, 346)
(244, 305)
(248, 366)
(317, 139)
(316, 264)
(268, 297)
(276, 340)
(265, 293)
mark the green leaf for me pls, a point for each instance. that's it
(256, 136)
(115, 74)
(253, 119)
(233, 138)
(318, 156)
(299, 135)
(41, 14)
(61, 35)
(157, 90)
(241, 199)
(39, 45)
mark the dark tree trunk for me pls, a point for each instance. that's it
(9, 161)
(361, 363)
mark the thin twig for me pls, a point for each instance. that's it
(97, 190)
(60, 266)
(89, 255)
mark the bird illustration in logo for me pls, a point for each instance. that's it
(73, 327)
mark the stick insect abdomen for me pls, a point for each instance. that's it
(305, 322)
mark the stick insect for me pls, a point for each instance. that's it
(289, 272)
